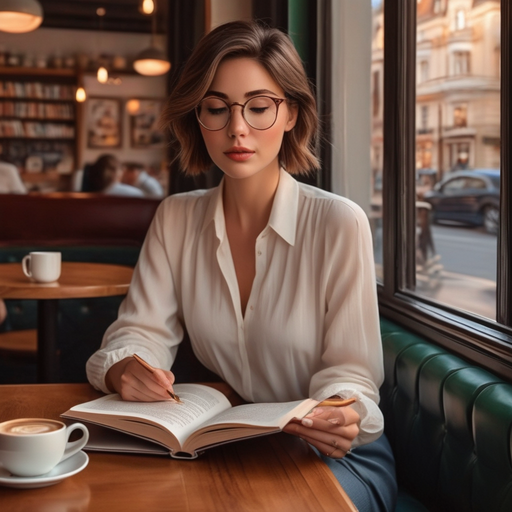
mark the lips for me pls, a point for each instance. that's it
(239, 154)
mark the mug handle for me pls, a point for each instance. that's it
(25, 265)
(75, 446)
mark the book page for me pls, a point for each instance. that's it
(247, 421)
(200, 403)
(264, 414)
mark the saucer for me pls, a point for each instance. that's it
(67, 468)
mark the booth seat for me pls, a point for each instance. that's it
(450, 426)
(85, 228)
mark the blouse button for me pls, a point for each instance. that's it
(252, 307)
(259, 253)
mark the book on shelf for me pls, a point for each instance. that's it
(205, 419)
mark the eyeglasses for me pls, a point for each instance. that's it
(259, 112)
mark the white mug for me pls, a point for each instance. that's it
(34, 446)
(43, 267)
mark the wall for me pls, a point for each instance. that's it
(352, 34)
(230, 10)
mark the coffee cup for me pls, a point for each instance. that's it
(34, 446)
(43, 267)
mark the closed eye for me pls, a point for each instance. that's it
(217, 111)
(259, 110)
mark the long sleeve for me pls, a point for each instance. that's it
(351, 353)
(148, 317)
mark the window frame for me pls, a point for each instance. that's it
(477, 339)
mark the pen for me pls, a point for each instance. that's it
(150, 369)
(336, 402)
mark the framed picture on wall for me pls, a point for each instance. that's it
(144, 115)
(104, 123)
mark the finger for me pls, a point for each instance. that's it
(320, 438)
(164, 378)
(335, 448)
(137, 383)
(335, 415)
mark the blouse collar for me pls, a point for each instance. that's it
(283, 216)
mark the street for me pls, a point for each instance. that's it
(463, 274)
(467, 251)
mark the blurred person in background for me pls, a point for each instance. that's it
(135, 174)
(10, 180)
(105, 176)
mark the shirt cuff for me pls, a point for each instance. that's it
(371, 423)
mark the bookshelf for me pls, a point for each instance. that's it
(39, 124)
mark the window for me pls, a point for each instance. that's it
(424, 118)
(461, 63)
(460, 20)
(473, 318)
(460, 116)
(424, 70)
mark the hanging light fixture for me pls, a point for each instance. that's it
(80, 95)
(147, 6)
(18, 16)
(152, 61)
(102, 73)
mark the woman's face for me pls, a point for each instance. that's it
(238, 149)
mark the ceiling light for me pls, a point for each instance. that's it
(147, 6)
(151, 62)
(19, 16)
(80, 95)
(102, 75)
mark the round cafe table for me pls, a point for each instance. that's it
(77, 280)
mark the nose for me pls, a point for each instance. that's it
(237, 124)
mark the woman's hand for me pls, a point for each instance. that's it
(135, 383)
(329, 429)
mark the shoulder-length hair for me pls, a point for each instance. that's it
(271, 48)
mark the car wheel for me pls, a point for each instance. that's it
(491, 219)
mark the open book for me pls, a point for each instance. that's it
(204, 419)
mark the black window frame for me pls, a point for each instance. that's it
(479, 340)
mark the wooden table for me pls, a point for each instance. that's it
(274, 473)
(77, 280)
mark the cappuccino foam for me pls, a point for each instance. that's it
(29, 427)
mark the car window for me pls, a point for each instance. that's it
(495, 181)
(475, 183)
(454, 185)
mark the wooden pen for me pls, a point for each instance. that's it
(150, 369)
(336, 402)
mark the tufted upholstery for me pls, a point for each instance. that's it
(450, 426)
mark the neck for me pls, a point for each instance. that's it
(248, 202)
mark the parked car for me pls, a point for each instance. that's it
(468, 197)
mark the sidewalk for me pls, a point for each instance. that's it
(464, 292)
(472, 294)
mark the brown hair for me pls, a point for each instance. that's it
(102, 173)
(271, 48)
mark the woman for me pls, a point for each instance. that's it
(273, 280)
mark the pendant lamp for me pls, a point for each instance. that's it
(152, 61)
(18, 16)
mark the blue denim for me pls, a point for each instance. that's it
(367, 475)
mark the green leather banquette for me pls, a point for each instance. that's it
(450, 426)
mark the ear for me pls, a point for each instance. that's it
(293, 112)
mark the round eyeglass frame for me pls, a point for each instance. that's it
(277, 101)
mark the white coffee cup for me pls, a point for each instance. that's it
(43, 267)
(34, 446)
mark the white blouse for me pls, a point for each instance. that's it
(311, 326)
